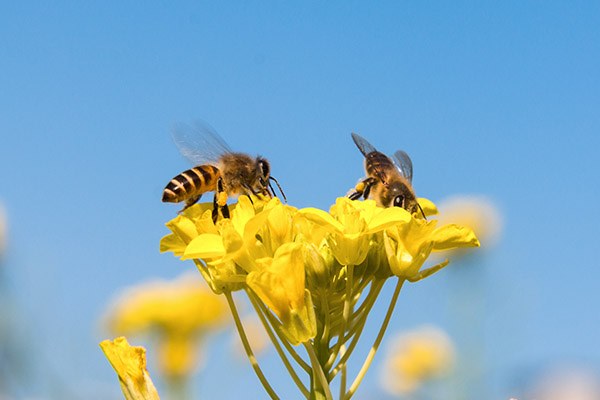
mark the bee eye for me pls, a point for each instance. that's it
(399, 201)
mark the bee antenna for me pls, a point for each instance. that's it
(422, 212)
(279, 186)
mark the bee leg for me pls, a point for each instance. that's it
(225, 211)
(362, 189)
(220, 202)
(250, 192)
(215, 210)
(369, 182)
(190, 202)
(355, 195)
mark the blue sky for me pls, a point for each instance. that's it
(499, 99)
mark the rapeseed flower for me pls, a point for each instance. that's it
(312, 276)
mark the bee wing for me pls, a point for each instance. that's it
(404, 164)
(363, 145)
(199, 143)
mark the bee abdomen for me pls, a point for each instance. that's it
(190, 183)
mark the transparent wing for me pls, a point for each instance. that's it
(363, 145)
(199, 142)
(404, 164)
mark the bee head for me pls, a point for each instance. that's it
(263, 172)
(263, 168)
(400, 195)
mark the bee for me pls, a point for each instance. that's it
(388, 181)
(217, 169)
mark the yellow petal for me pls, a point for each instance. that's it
(349, 249)
(243, 212)
(232, 241)
(130, 364)
(453, 236)
(205, 246)
(300, 325)
(428, 207)
(172, 242)
(183, 227)
(387, 218)
(322, 218)
(280, 283)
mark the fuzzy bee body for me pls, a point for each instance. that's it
(191, 183)
(218, 169)
(388, 181)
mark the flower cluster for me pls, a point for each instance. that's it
(312, 276)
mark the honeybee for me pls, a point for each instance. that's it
(388, 181)
(217, 169)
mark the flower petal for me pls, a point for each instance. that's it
(428, 207)
(322, 218)
(387, 218)
(130, 364)
(172, 242)
(280, 283)
(452, 236)
(205, 246)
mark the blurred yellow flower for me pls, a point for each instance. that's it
(416, 357)
(129, 362)
(178, 312)
(476, 212)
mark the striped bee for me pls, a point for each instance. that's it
(388, 181)
(217, 169)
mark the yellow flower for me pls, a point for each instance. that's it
(280, 284)
(130, 364)
(409, 245)
(350, 224)
(179, 312)
(416, 357)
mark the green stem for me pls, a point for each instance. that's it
(249, 353)
(348, 302)
(269, 329)
(178, 388)
(343, 378)
(320, 386)
(275, 324)
(324, 341)
(360, 316)
(371, 298)
(361, 374)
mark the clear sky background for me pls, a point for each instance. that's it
(494, 98)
